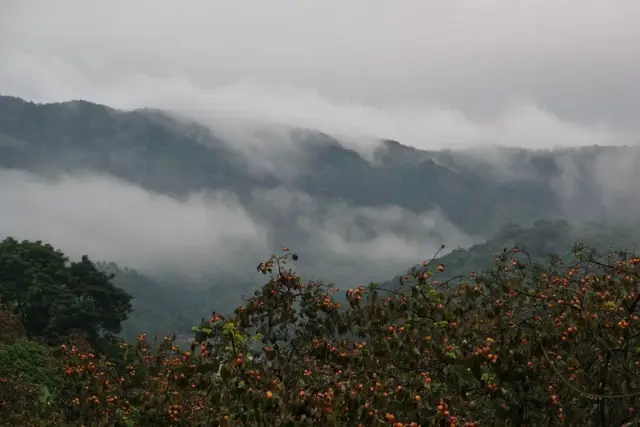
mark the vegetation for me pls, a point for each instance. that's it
(52, 296)
(540, 241)
(164, 304)
(159, 307)
(157, 152)
(544, 333)
(523, 343)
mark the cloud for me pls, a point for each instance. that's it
(429, 74)
(602, 185)
(618, 173)
(387, 246)
(213, 234)
(111, 220)
(245, 106)
(346, 243)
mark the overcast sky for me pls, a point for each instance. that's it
(430, 73)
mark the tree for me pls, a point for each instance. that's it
(555, 343)
(53, 296)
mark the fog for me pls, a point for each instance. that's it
(464, 75)
(208, 235)
(434, 74)
(113, 220)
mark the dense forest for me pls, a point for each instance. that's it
(529, 340)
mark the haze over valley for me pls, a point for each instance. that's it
(191, 143)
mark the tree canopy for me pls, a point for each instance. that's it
(53, 295)
(522, 343)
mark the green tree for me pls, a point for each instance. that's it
(53, 296)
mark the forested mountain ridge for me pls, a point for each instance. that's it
(333, 186)
(164, 154)
(160, 308)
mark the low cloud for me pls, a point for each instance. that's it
(256, 117)
(603, 184)
(246, 109)
(590, 183)
(112, 220)
(214, 235)
(431, 74)
(348, 243)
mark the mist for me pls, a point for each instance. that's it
(349, 244)
(209, 235)
(115, 221)
(476, 77)
(428, 74)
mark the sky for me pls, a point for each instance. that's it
(429, 73)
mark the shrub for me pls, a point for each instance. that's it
(29, 377)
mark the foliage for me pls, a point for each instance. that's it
(29, 374)
(53, 296)
(520, 344)
(34, 361)
(541, 240)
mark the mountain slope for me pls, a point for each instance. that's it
(142, 147)
(151, 149)
(349, 217)
(540, 241)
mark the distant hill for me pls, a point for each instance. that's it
(540, 241)
(164, 154)
(160, 307)
(394, 195)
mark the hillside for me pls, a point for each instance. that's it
(160, 153)
(308, 214)
(159, 307)
(352, 219)
(276, 358)
(539, 242)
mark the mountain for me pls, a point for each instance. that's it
(160, 153)
(351, 216)
(159, 307)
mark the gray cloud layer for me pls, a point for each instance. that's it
(113, 220)
(429, 73)
(213, 235)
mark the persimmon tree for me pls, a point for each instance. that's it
(521, 344)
